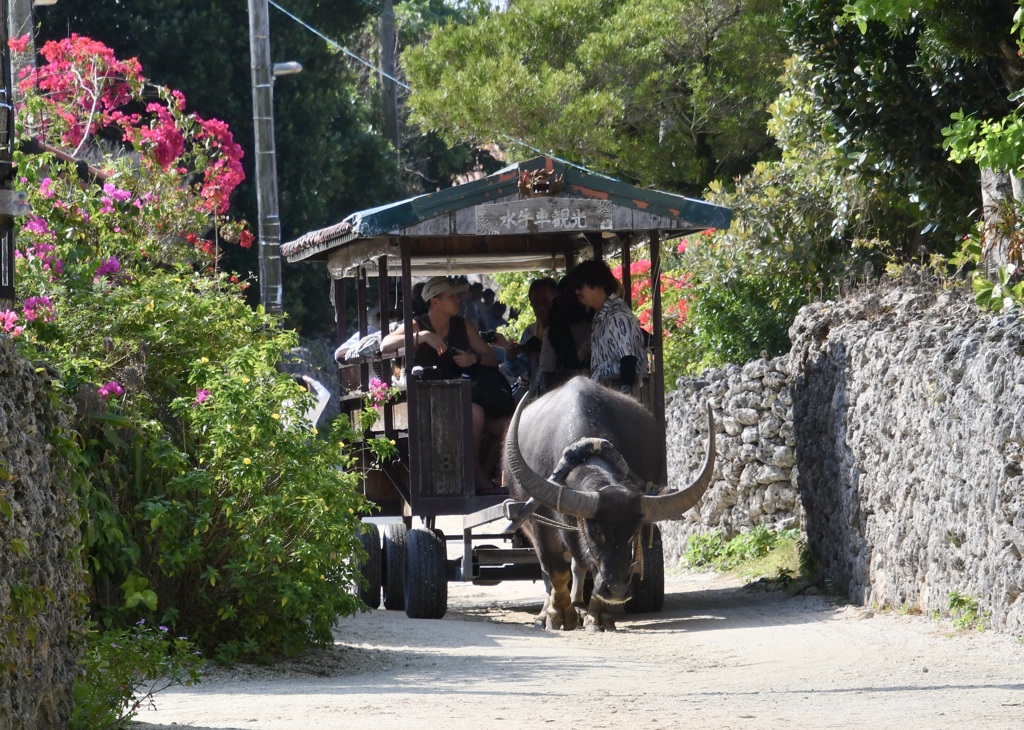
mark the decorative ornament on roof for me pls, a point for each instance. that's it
(534, 183)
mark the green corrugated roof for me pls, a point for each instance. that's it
(578, 183)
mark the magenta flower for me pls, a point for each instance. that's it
(36, 224)
(38, 307)
(116, 193)
(109, 266)
(201, 395)
(108, 389)
(7, 318)
(46, 188)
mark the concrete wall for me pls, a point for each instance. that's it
(907, 427)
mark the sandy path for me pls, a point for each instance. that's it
(719, 656)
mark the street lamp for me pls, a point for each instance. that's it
(286, 68)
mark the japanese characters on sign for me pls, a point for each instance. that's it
(544, 215)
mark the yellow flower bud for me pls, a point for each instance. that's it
(247, 461)
(276, 416)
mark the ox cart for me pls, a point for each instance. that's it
(542, 215)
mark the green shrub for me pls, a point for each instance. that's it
(966, 612)
(703, 551)
(212, 507)
(122, 669)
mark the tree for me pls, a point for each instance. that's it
(890, 82)
(330, 159)
(669, 93)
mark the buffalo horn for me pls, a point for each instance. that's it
(550, 494)
(673, 505)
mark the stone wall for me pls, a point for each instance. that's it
(755, 478)
(40, 573)
(908, 425)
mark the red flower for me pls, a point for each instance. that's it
(246, 239)
(20, 44)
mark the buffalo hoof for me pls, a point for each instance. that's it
(601, 622)
(564, 619)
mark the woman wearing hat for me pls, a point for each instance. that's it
(446, 343)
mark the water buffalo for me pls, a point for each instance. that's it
(591, 457)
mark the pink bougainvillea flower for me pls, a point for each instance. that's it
(8, 317)
(116, 193)
(245, 239)
(201, 395)
(38, 308)
(109, 266)
(681, 248)
(36, 224)
(108, 389)
(20, 44)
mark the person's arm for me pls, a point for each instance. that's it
(479, 351)
(627, 373)
(392, 344)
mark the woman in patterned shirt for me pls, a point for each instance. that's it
(616, 340)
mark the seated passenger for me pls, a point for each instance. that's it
(522, 357)
(566, 348)
(450, 347)
(617, 347)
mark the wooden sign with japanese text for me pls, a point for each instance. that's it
(544, 215)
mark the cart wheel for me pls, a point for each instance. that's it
(394, 565)
(426, 579)
(369, 588)
(649, 593)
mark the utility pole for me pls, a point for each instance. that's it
(266, 158)
(15, 21)
(389, 90)
(6, 167)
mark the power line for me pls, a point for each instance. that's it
(340, 47)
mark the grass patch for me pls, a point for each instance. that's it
(763, 554)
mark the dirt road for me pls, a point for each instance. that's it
(719, 656)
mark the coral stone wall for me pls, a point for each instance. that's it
(909, 419)
(898, 419)
(755, 479)
(40, 572)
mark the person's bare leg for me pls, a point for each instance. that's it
(483, 481)
(494, 433)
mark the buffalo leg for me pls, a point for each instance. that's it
(558, 612)
(579, 575)
(599, 614)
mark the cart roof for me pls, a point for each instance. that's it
(525, 217)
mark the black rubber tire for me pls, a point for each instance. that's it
(426, 575)
(369, 589)
(649, 593)
(394, 565)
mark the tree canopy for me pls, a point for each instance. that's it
(889, 78)
(669, 93)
